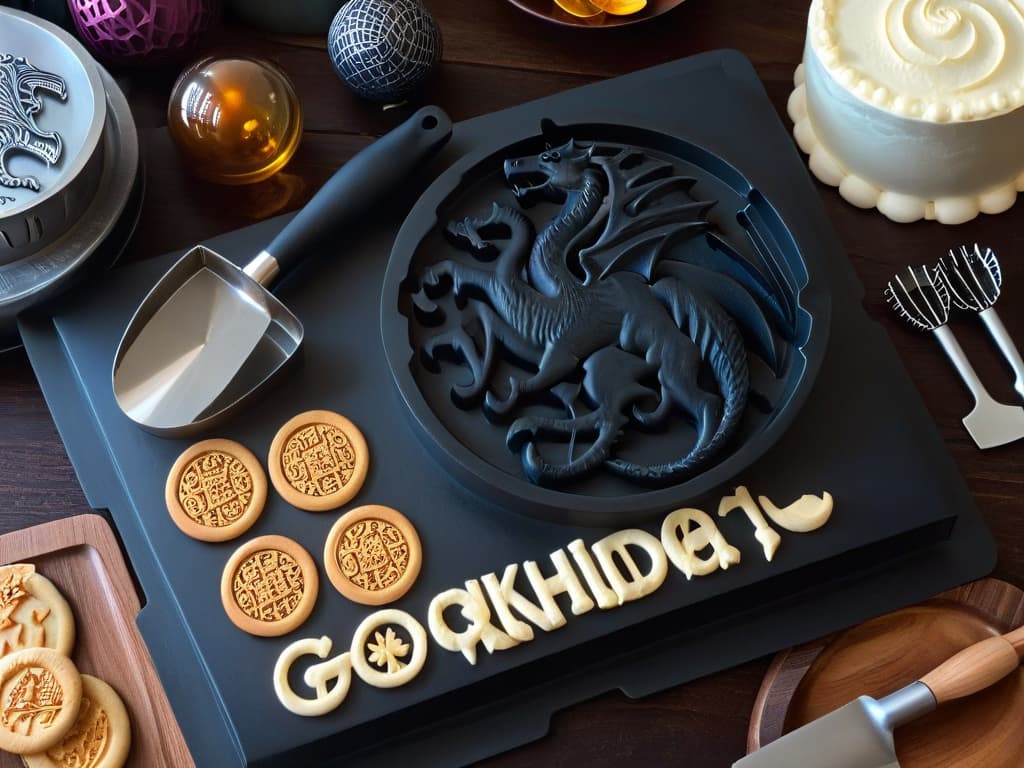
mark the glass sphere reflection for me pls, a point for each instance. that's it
(234, 120)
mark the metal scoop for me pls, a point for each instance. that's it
(209, 334)
(922, 299)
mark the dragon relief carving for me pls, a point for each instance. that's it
(617, 310)
(20, 102)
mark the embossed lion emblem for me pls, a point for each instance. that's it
(20, 102)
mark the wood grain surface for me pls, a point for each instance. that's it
(82, 558)
(497, 56)
(881, 655)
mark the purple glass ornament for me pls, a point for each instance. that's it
(124, 31)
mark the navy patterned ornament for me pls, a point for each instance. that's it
(383, 49)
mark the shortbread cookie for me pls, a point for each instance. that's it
(373, 555)
(40, 694)
(269, 586)
(318, 460)
(33, 613)
(100, 737)
(216, 490)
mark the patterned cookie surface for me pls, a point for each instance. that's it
(318, 460)
(33, 613)
(373, 555)
(40, 694)
(100, 737)
(269, 586)
(216, 490)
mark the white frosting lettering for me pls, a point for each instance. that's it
(605, 597)
(316, 677)
(638, 584)
(565, 581)
(476, 612)
(767, 536)
(808, 513)
(682, 543)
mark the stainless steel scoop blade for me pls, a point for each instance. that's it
(210, 334)
(207, 335)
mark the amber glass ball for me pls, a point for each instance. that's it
(234, 120)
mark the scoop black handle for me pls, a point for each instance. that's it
(360, 183)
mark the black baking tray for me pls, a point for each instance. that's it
(904, 527)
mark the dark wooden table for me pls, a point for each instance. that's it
(495, 56)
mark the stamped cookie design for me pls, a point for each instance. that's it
(373, 555)
(216, 490)
(269, 586)
(99, 738)
(33, 613)
(40, 694)
(318, 460)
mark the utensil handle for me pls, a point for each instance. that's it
(359, 184)
(976, 667)
(1006, 346)
(963, 366)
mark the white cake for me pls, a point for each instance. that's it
(915, 107)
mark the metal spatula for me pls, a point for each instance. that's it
(974, 280)
(859, 735)
(923, 301)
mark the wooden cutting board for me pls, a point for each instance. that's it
(881, 655)
(81, 556)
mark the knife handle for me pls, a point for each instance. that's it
(976, 667)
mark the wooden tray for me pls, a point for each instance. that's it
(81, 556)
(883, 654)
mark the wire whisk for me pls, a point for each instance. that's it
(973, 277)
(919, 297)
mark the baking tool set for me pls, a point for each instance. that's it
(904, 525)
(922, 296)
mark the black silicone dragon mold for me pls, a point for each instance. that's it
(627, 307)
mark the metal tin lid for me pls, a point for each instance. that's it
(52, 113)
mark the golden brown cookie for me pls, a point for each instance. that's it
(318, 460)
(33, 613)
(269, 586)
(373, 555)
(100, 737)
(216, 490)
(40, 694)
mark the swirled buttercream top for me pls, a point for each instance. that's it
(935, 60)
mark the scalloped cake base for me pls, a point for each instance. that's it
(899, 207)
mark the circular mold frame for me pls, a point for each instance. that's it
(31, 220)
(471, 447)
(101, 232)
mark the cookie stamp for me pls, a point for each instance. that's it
(100, 737)
(33, 613)
(269, 586)
(216, 490)
(40, 694)
(373, 555)
(318, 460)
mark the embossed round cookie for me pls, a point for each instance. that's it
(100, 737)
(33, 612)
(318, 460)
(373, 555)
(216, 490)
(269, 586)
(40, 694)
